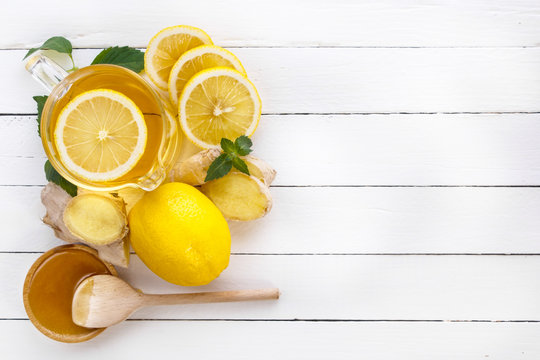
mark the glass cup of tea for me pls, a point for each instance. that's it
(163, 140)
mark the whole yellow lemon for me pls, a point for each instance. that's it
(180, 235)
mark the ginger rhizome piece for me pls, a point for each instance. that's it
(260, 169)
(130, 196)
(83, 217)
(239, 196)
(96, 219)
(193, 170)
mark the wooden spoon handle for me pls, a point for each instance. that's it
(210, 297)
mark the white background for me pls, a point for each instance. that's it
(406, 217)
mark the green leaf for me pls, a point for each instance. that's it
(240, 165)
(125, 56)
(99, 58)
(30, 52)
(243, 145)
(53, 176)
(40, 100)
(228, 146)
(219, 168)
(230, 157)
(56, 43)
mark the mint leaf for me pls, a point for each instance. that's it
(40, 100)
(125, 56)
(243, 145)
(228, 146)
(240, 165)
(99, 58)
(53, 176)
(230, 157)
(219, 168)
(56, 43)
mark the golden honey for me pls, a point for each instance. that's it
(50, 286)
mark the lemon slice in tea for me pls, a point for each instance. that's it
(166, 47)
(218, 103)
(100, 135)
(196, 60)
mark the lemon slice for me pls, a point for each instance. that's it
(218, 103)
(198, 59)
(100, 135)
(166, 47)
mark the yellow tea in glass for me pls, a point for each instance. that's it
(162, 138)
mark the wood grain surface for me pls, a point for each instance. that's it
(355, 80)
(277, 23)
(405, 221)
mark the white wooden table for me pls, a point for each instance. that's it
(406, 223)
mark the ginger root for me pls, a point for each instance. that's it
(84, 215)
(130, 196)
(96, 219)
(260, 169)
(239, 196)
(193, 170)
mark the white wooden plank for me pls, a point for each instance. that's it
(376, 150)
(285, 340)
(371, 287)
(437, 149)
(280, 22)
(348, 220)
(356, 80)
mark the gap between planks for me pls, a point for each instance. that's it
(321, 47)
(531, 186)
(322, 320)
(362, 113)
(331, 254)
